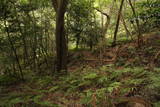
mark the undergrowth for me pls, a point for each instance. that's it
(86, 87)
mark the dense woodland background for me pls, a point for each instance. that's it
(79, 53)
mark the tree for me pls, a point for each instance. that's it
(117, 24)
(137, 22)
(61, 45)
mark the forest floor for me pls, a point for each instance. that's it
(126, 53)
(121, 76)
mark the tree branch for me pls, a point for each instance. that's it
(103, 13)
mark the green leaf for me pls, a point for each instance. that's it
(16, 101)
(87, 98)
(53, 89)
(91, 76)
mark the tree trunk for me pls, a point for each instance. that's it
(14, 51)
(117, 25)
(61, 45)
(137, 22)
(125, 27)
(77, 41)
(104, 27)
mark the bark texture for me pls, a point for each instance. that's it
(61, 45)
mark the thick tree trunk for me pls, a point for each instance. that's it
(61, 45)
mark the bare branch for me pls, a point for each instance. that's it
(103, 13)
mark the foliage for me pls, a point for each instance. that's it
(7, 80)
(91, 86)
(28, 48)
(81, 30)
(148, 13)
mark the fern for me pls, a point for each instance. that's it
(87, 97)
(90, 76)
(113, 86)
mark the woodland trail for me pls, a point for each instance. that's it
(111, 55)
